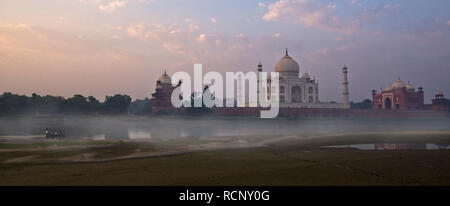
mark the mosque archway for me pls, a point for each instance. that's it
(388, 103)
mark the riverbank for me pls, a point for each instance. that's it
(287, 160)
(261, 166)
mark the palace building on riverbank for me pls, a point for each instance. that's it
(403, 96)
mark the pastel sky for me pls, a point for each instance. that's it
(104, 47)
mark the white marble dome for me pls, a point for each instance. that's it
(287, 65)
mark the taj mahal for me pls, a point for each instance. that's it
(295, 91)
(302, 92)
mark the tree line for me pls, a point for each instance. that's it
(14, 104)
(365, 104)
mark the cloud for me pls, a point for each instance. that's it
(137, 31)
(35, 59)
(345, 47)
(426, 30)
(192, 24)
(37, 46)
(214, 20)
(261, 4)
(372, 16)
(112, 6)
(223, 50)
(201, 38)
(319, 15)
(314, 56)
(318, 55)
(240, 35)
(176, 39)
(309, 13)
(355, 3)
(376, 33)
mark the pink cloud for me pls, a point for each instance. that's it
(376, 34)
(112, 6)
(309, 13)
(314, 56)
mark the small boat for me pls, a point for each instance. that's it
(54, 133)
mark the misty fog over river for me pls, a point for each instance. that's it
(131, 127)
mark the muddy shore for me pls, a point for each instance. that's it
(286, 160)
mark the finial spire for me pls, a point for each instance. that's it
(287, 52)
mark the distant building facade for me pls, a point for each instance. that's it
(302, 91)
(161, 98)
(439, 103)
(299, 97)
(403, 96)
(399, 95)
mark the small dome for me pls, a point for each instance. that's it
(287, 64)
(409, 86)
(306, 76)
(398, 84)
(165, 79)
(439, 94)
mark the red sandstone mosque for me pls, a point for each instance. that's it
(161, 99)
(403, 96)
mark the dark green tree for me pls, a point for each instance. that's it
(116, 104)
(365, 104)
(140, 106)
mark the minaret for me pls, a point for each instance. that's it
(258, 82)
(345, 86)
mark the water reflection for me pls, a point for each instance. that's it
(392, 146)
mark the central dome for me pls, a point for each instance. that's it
(398, 84)
(287, 65)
